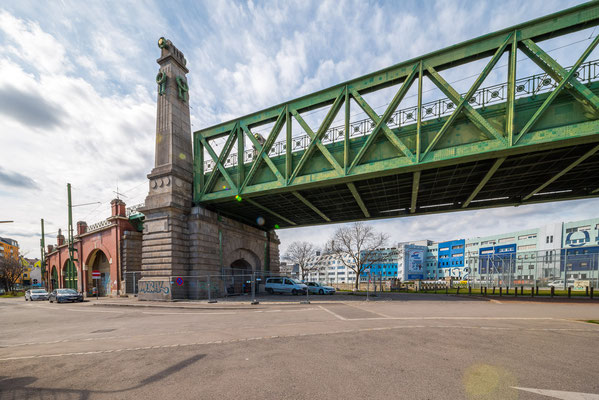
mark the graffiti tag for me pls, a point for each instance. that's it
(153, 287)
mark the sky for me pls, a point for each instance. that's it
(78, 95)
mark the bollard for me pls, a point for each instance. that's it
(481, 290)
(586, 290)
(446, 290)
(254, 301)
(537, 290)
(457, 291)
(522, 290)
(591, 292)
(516, 291)
(552, 291)
(569, 291)
(485, 290)
(493, 290)
(500, 290)
(532, 292)
(469, 290)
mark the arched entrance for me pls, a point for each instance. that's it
(239, 281)
(99, 262)
(54, 279)
(69, 275)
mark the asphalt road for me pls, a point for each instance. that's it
(429, 348)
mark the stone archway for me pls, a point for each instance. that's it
(98, 261)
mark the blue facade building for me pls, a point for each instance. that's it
(451, 258)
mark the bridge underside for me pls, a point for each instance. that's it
(525, 141)
(440, 189)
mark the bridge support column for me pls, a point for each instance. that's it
(165, 248)
(180, 241)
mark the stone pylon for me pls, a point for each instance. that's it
(165, 250)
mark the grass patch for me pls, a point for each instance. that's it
(10, 295)
(592, 321)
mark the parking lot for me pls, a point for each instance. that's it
(416, 346)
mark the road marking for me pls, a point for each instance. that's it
(558, 394)
(370, 311)
(295, 335)
(188, 313)
(335, 314)
(76, 309)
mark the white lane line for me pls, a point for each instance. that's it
(558, 394)
(335, 314)
(188, 313)
(76, 309)
(370, 311)
(276, 337)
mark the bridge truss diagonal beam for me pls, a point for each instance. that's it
(562, 172)
(557, 72)
(462, 102)
(562, 84)
(268, 210)
(484, 181)
(326, 123)
(312, 206)
(265, 149)
(263, 154)
(219, 160)
(358, 198)
(381, 122)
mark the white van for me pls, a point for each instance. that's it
(285, 285)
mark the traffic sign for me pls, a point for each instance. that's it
(96, 274)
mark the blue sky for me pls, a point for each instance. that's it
(77, 90)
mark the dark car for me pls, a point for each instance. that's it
(64, 295)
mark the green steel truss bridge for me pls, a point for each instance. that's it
(526, 140)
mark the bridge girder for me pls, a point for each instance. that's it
(290, 185)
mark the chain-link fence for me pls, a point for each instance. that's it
(131, 282)
(574, 268)
(231, 283)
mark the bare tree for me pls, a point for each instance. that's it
(301, 253)
(11, 270)
(356, 246)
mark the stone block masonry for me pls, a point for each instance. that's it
(180, 240)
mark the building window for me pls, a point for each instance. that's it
(527, 247)
(458, 246)
(571, 230)
(584, 228)
(506, 239)
(528, 236)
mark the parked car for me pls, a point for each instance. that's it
(63, 295)
(285, 285)
(36, 294)
(559, 284)
(317, 288)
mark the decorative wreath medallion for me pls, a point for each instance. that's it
(183, 88)
(161, 81)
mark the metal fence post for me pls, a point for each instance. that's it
(254, 301)
(209, 291)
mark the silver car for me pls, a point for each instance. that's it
(36, 294)
(317, 288)
(64, 295)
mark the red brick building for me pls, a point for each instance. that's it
(111, 247)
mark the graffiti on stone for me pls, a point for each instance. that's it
(154, 287)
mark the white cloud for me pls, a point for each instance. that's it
(90, 68)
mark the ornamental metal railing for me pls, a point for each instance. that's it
(98, 226)
(528, 86)
(134, 209)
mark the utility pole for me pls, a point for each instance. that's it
(72, 250)
(43, 259)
